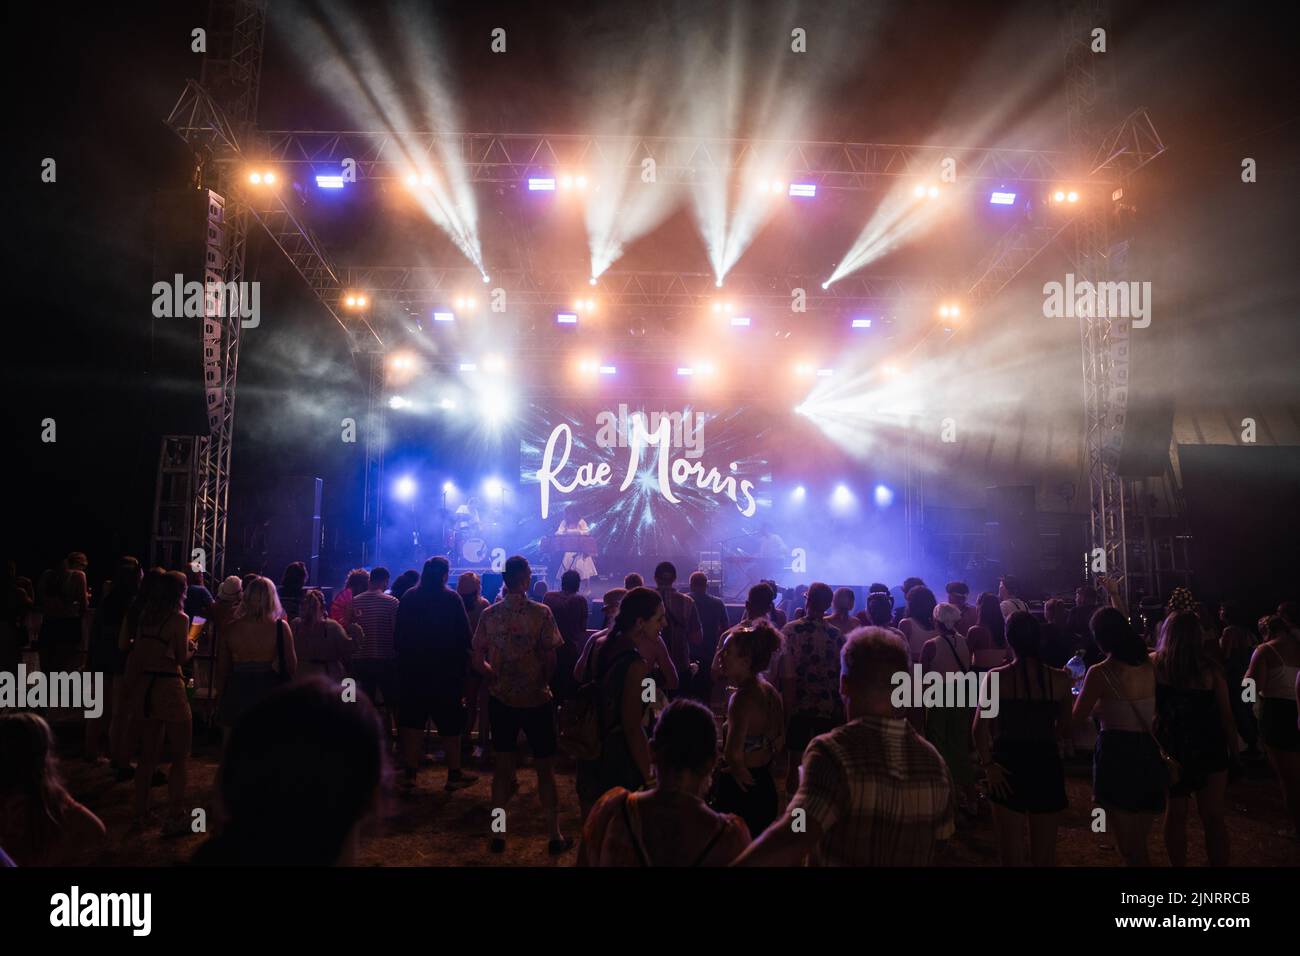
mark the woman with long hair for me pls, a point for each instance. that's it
(1236, 645)
(1275, 669)
(256, 655)
(988, 637)
(617, 665)
(918, 624)
(1019, 748)
(103, 656)
(755, 729)
(40, 823)
(668, 824)
(1194, 724)
(158, 704)
(1129, 778)
(292, 585)
(323, 647)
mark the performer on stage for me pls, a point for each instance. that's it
(771, 553)
(574, 523)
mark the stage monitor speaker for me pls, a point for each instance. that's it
(1011, 530)
(293, 531)
(1148, 432)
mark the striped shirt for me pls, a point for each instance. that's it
(376, 612)
(880, 793)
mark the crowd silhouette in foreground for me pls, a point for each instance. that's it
(776, 741)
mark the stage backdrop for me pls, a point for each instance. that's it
(648, 479)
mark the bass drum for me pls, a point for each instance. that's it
(474, 551)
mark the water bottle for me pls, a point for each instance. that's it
(1077, 668)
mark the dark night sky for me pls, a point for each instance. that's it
(92, 91)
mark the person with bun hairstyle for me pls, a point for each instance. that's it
(755, 729)
(669, 823)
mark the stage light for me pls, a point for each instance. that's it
(919, 192)
(717, 307)
(826, 285)
(468, 366)
(1071, 196)
(861, 323)
(426, 179)
(262, 177)
(494, 487)
(592, 280)
(496, 407)
(566, 318)
(932, 192)
(541, 185)
(947, 311)
(884, 496)
(1002, 199)
(355, 300)
(404, 489)
(805, 190)
(685, 371)
(581, 182)
(329, 182)
(892, 371)
(444, 316)
(1058, 196)
(486, 278)
(255, 178)
(494, 363)
(401, 361)
(566, 182)
(448, 487)
(447, 404)
(803, 368)
(398, 402)
(412, 180)
(841, 498)
(740, 321)
(799, 493)
(608, 370)
(825, 372)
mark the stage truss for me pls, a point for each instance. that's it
(216, 116)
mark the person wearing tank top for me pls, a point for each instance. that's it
(1129, 779)
(1019, 749)
(668, 823)
(1274, 668)
(948, 726)
(1194, 724)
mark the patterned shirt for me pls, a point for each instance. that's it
(810, 654)
(376, 612)
(881, 794)
(513, 636)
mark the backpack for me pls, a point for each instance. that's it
(582, 734)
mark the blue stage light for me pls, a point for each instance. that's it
(862, 323)
(1002, 199)
(806, 190)
(405, 488)
(884, 496)
(444, 316)
(541, 185)
(566, 318)
(329, 182)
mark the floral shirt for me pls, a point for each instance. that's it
(810, 654)
(513, 636)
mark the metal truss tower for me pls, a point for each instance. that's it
(231, 70)
(1089, 98)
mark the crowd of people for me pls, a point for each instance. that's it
(694, 740)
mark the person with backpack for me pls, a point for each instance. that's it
(613, 685)
(668, 824)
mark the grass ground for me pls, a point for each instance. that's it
(436, 828)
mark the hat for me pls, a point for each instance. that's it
(947, 614)
(230, 589)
